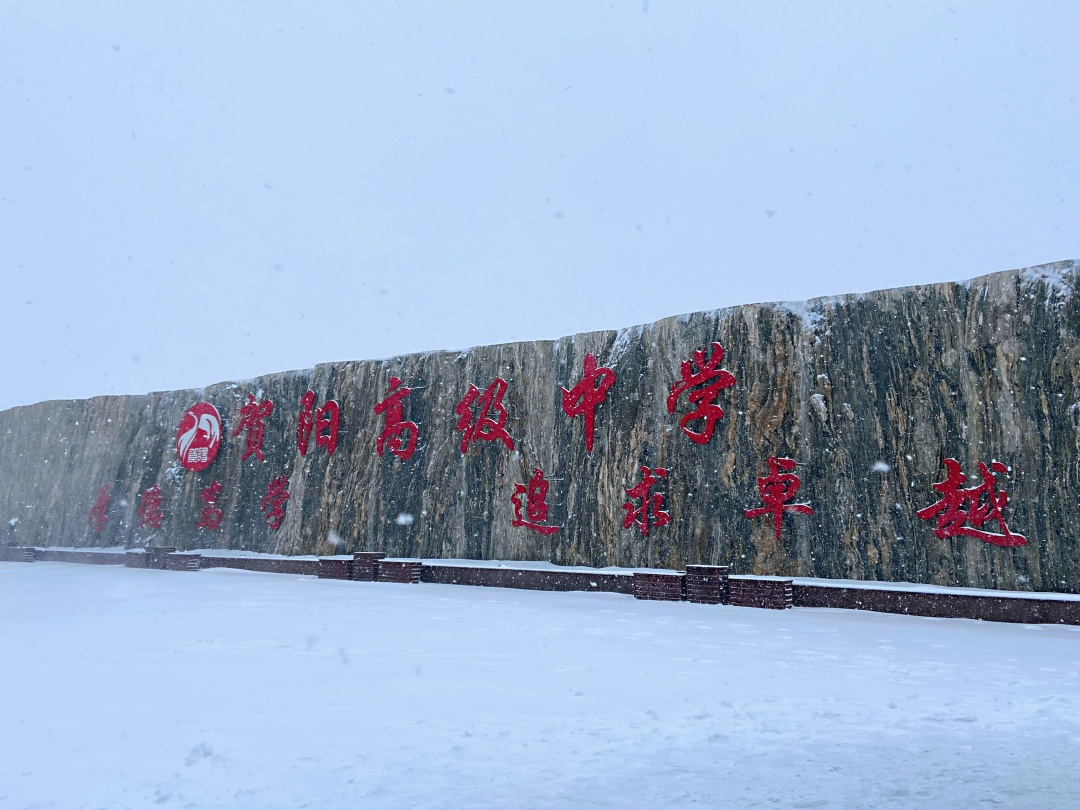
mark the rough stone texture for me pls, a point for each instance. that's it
(984, 370)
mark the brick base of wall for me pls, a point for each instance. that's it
(760, 593)
(265, 565)
(16, 554)
(707, 584)
(365, 567)
(1003, 608)
(531, 579)
(666, 587)
(335, 568)
(701, 583)
(182, 562)
(407, 571)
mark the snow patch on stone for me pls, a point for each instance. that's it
(623, 339)
(1057, 277)
(811, 313)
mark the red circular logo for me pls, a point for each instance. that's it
(199, 436)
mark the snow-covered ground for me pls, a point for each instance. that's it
(126, 688)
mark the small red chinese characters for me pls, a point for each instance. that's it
(583, 398)
(649, 513)
(712, 380)
(536, 508)
(252, 419)
(778, 488)
(477, 425)
(983, 504)
(393, 408)
(150, 508)
(211, 514)
(99, 511)
(273, 502)
(324, 423)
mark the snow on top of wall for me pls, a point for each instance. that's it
(1058, 278)
(811, 313)
(622, 342)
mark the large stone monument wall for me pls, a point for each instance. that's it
(876, 403)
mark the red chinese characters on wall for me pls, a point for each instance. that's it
(963, 512)
(199, 437)
(583, 399)
(777, 489)
(149, 511)
(99, 512)
(396, 426)
(273, 502)
(323, 421)
(253, 416)
(211, 514)
(648, 513)
(483, 416)
(535, 506)
(703, 385)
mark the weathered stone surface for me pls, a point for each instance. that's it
(868, 393)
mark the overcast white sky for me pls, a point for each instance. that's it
(206, 191)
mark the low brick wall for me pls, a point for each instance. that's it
(760, 593)
(666, 587)
(365, 566)
(405, 571)
(335, 568)
(265, 565)
(16, 554)
(156, 556)
(182, 562)
(77, 556)
(940, 605)
(135, 559)
(707, 584)
(527, 579)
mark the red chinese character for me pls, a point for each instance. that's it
(211, 515)
(325, 424)
(777, 488)
(274, 501)
(704, 398)
(582, 399)
(982, 502)
(536, 509)
(150, 508)
(251, 419)
(477, 426)
(649, 510)
(393, 409)
(99, 511)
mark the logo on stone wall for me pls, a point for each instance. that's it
(199, 436)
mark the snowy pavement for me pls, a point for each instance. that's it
(127, 688)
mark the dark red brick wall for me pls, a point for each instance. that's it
(667, 587)
(705, 584)
(264, 565)
(527, 579)
(940, 605)
(760, 593)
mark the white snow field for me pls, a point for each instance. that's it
(124, 688)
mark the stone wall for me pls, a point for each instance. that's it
(868, 394)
